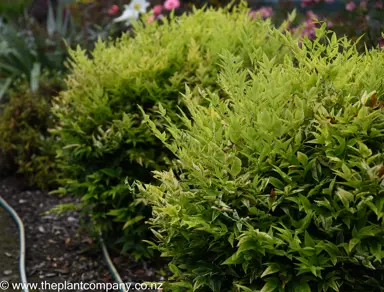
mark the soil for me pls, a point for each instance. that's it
(58, 249)
(8, 248)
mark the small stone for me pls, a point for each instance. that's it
(62, 271)
(7, 272)
(71, 219)
(8, 254)
(50, 275)
(21, 201)
(41, 229)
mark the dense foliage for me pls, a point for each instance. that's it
(26, 146)
(30, 44)
(100, 126)
(279, 187)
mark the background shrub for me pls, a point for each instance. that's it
(279, 186)
(100, 126)
(26, 145)
(30, 44)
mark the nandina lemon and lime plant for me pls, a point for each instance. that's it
(100, 127)
(278, 187)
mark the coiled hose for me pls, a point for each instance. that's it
(22, 270)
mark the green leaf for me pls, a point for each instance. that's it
(301, 287)
(375, 249)
(35, 77)
(352, 243)
(305, 203)
(232, 260)
(109, 171)
(302, 158)
(243, 288)
(364, 150)
(231, 239)
(235, 166)
(271, 285)
(271, 269)
(276, 183)
(132, 221)
(345, 197)
(308, 241)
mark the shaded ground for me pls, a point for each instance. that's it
(57, 249)
(8, 248)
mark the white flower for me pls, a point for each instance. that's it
(132, 11)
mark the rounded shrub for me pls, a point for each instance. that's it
(101, 130)
(279, 187)
(26, 145)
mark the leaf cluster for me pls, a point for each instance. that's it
(103, 138)
(279, 187)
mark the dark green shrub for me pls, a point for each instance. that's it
(280, 186)
(13, 7)
(100, 126)
(26, 146)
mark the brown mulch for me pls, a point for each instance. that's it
(58, 249)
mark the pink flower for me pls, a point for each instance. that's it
(157, 9)
(364, 4)
(329, 24)
(311, 15)
(381, 42)
(113, 10)
(305, 3)
(350, 6)
(151, 19)
(171, 4)
(264, 12)
(379, 4)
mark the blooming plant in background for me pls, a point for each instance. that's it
(157, 9)
(132, 11)
(171, 4)
(113, 10)
(136, 7)
(381, 41)
(307, 27)
(306, 3)
(264, 12)
(350, 6)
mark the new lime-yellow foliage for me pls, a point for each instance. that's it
(100, 125)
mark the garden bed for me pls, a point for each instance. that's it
(8, 248)
(58, 249)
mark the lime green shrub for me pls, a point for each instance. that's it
(280, 186)
(26, 146)
(100, 125)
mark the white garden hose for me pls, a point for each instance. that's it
(110, 264)
(11, 211)
(23, 276)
